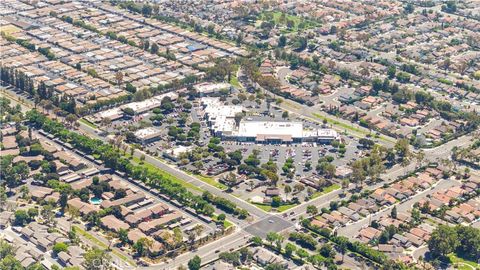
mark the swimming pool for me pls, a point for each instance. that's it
(95, 200)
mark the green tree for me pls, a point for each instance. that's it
(272, 237)
(128, 111)
(469, 238)
(282, 41)
(194, 263)
(312, 210)
(302, 253)
(275, 266)
(96, 259)
(393, 213)
(392, 70)
(443, 241)
(327, 251)
(342, 243)
(6, 249)
(21, 218)
(10, 263)
(3, 198)
(409, 8)
(130, 88)
(276, 201)
(256, 240)
(59, 247)
(221, 218)
(290, 249)
(402, 147)
(123, 236)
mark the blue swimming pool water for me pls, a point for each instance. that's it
(95, 200)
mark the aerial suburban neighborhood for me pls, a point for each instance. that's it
(239, 134)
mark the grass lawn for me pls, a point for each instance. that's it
(90, 237)
(88, 123)
(234, 81)
(264, 207)
(209, 180)
(462, 263)
(326, 190)
(226, 223)
(343, 125)
(297, 20)
(286, 207)
(269, 208)
(102, 245)
(290, 104)
(10, 29)
(164, 174)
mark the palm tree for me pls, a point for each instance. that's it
(198, 229)
(298, 188)
(48, 105)
(447, 163)
(106, 122)
(420, 156)
(191, 239)
(124, 148)
(74, 213)
(25, 192)
(148, 243)
(42, 104)
(119, 77)
(71, 118)
(364, 72)
(345, 184)
(111, 238)
(287, 190)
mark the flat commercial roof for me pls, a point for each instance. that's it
(327, 133)
(211, 87)
(147, 133)
(270, 129)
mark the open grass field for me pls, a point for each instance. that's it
(326, 190)
(10, 29)
(88, 123)
(164, 174)
(209, 180)
(281, 18)
(462, 264)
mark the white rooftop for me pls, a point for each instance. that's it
(146, 132)
(221, 116)
(211, 87)
(280, 128)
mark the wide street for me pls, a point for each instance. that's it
(262, 221)
(208, 252)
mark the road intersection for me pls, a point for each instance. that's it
(263, 222)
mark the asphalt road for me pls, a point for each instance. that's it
(261, 226)
(310, 112)
(268, 224)
(208, 252)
